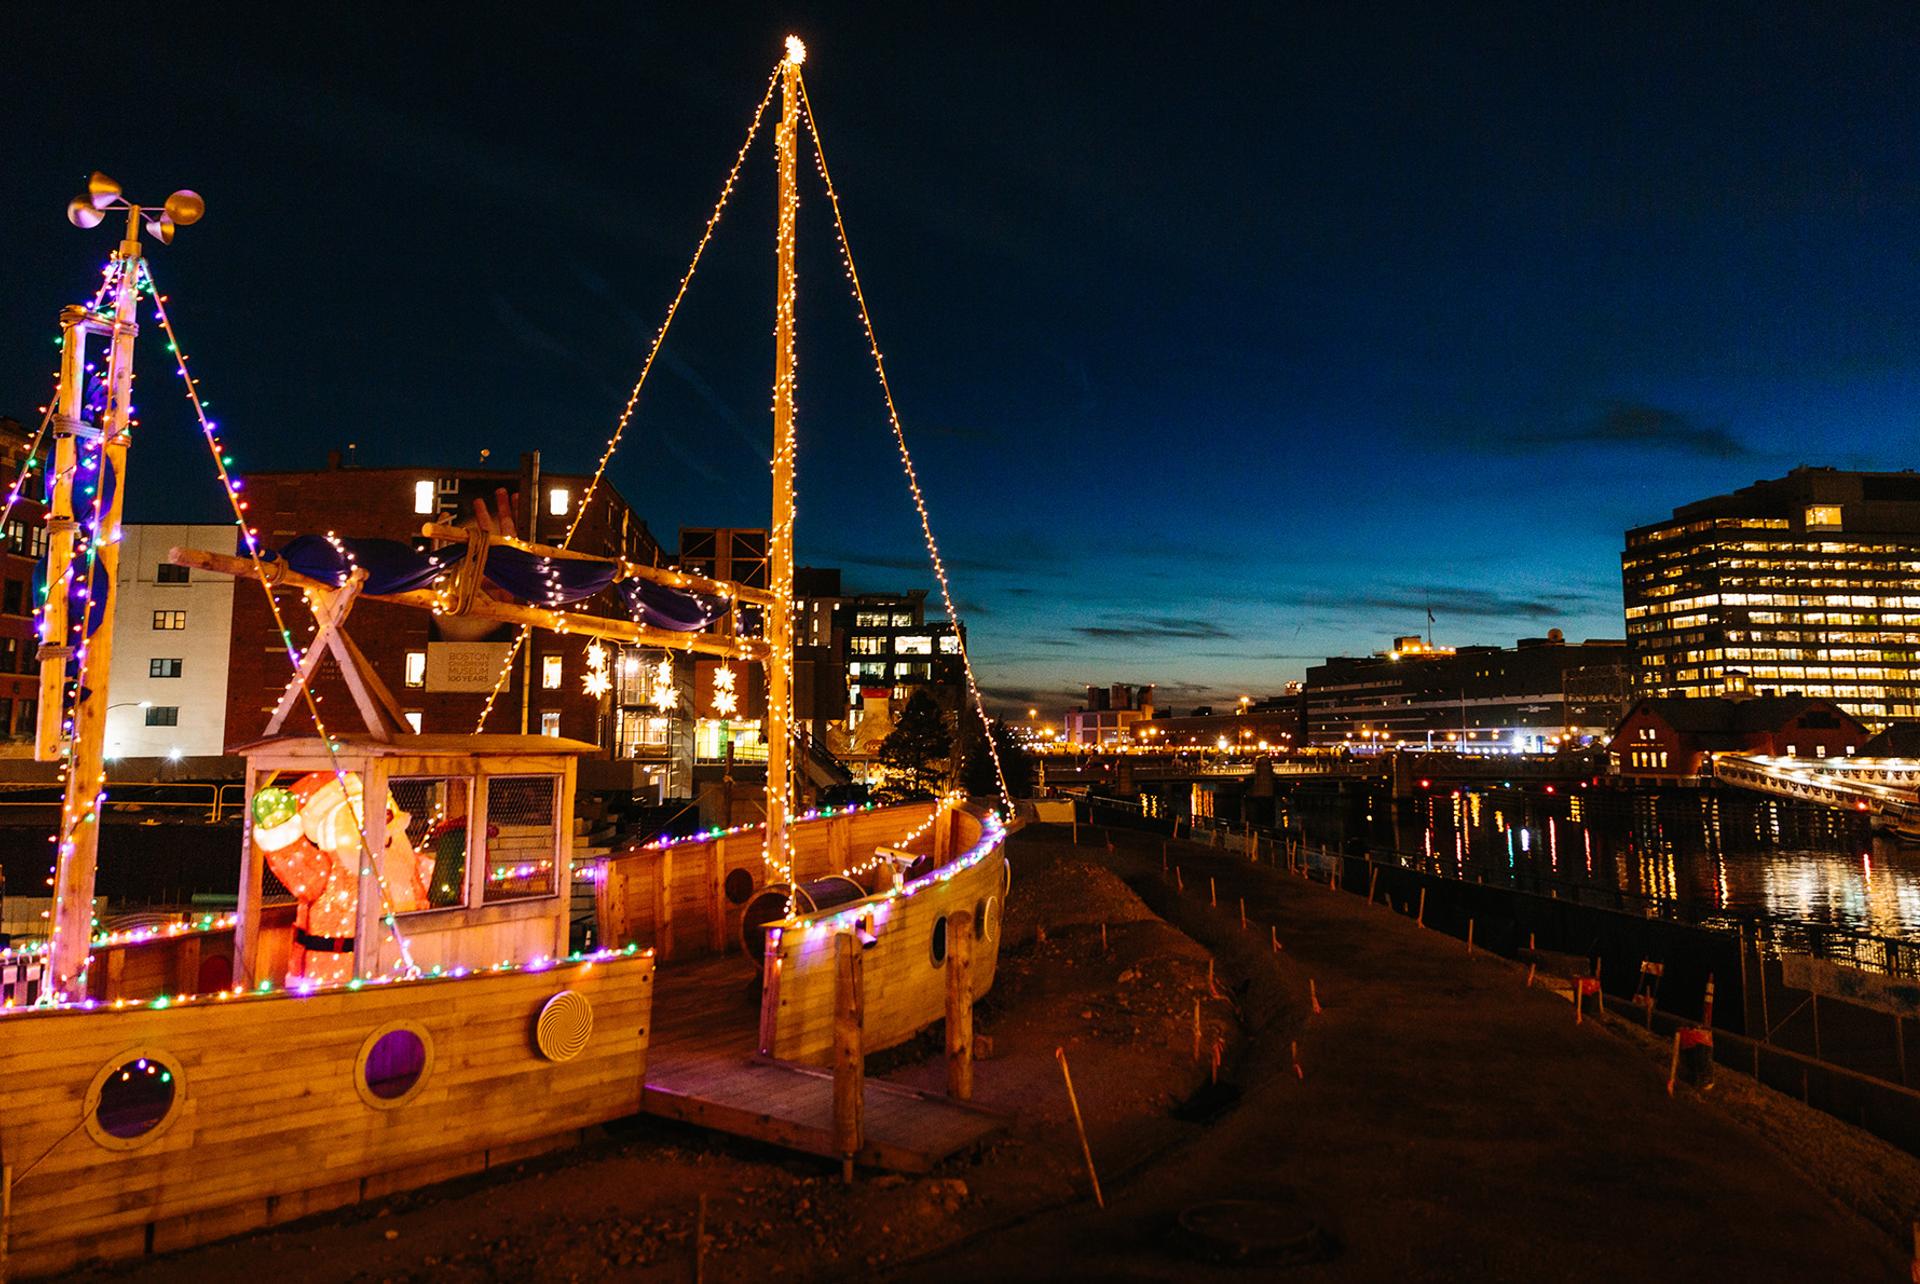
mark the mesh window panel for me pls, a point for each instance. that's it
(437, 809)
(522, 836)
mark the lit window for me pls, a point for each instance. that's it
(550, 672)
(914, 645)
(413, 720)
(423, 498)
(550, 723)
(558, 500)
(170, 621)
(163, 668)
(949, 644)
(416, 670)
(1826, 515)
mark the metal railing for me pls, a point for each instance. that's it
(180, 799)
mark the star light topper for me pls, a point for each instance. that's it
(796, 51)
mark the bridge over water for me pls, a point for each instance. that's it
(1887, 788)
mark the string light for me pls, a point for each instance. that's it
(231, 487)
(900, 440)
(633, 398)
(583, 959)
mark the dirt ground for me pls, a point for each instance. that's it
(1444, 1123)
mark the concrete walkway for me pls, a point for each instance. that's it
(1452, 1125)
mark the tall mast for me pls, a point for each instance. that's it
(95, 570)
(90, 462)
(779, 616)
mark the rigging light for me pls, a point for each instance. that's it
(796, 51)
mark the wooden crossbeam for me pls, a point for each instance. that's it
(628, 570)
(330, 609)
(279, 574)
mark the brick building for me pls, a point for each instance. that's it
(1670, 739)
(441, 669)
(24, 542)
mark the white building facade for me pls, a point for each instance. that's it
(172, 631)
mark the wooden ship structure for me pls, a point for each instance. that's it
(415, 1009)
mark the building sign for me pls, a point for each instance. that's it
(465, 666)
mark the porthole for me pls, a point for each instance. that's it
(133, 1099)
(940, 941)
(393, 1065)
(979, 920)
(738, 885)
(990, 920)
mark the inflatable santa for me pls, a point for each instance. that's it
(309, 835)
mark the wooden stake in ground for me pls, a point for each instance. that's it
(1469, 938)
(1373, 879)
(1313, 996)
(1276, 938)
(1243, 913)
(1293, 1050)
(1196, 1029)
(1673, 1067)
(1420, 919)
(700, 1241)
(1179, 883)
(1086, 1151)
(1103, 938)
(849, 1058)
(1213, 894)
(960, 1003)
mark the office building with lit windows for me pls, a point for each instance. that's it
(1540, 695)
(1806, 585)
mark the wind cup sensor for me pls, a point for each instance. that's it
(90, 207)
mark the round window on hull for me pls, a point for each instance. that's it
(133, 1099)
(393, 1065)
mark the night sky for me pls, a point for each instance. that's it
(1225, 342)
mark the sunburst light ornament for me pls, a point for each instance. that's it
(596, 679)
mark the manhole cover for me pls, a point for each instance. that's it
(1266, 1231)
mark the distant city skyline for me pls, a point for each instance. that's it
(1225, 344)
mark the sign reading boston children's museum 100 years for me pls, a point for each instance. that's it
(464, 666)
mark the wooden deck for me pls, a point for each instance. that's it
(703, 1068)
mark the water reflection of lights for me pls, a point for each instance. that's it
(1719, 853)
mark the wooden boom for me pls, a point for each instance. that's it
(486, 608)
(628, 570)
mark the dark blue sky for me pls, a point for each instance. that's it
(1225, 341)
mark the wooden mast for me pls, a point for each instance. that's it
(78, 843)
(779, 615)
